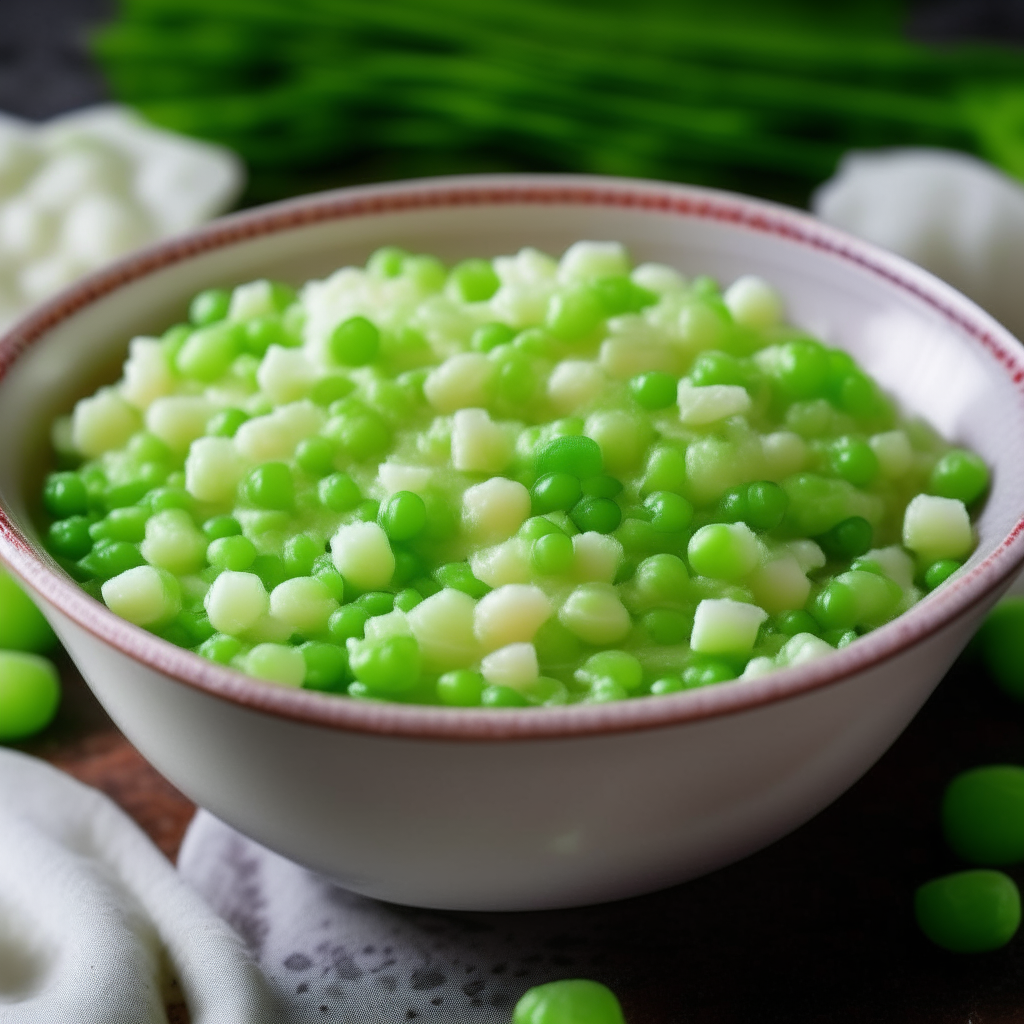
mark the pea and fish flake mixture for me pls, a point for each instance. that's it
(513, 482)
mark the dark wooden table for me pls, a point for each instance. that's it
(817, 928)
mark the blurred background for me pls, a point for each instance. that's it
(762, 97)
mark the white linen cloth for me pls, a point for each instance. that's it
(949, 212)
(330, 955)
(95, 924)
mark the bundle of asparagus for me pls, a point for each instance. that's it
(739, 94)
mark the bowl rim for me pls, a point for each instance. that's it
(474, 724)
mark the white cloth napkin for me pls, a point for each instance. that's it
(330, 955)
(96, 927)
(949, 212)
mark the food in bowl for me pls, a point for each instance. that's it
(514, 482)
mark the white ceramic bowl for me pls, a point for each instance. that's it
(518, 809)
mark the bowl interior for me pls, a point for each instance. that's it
(941, 357)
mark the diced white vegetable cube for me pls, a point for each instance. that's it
(460, 382)
(380, 627)
(623, 438)
(236, 602)
(394, 476)
(362, 554)
(212, 469)
(895, 563)
(509, 614)
(894, 452)
(935, 527)
(724, 626)
(514, 665)
(495, 509)
(624, 357)
(596, 557)
(478, 444)
(285, 374)
(143, 595)
(443, 627)
(178, 419)
(785, 453)
(147, 375)
(275, 436)
(255, 298)
(594, 613)
(103, 422)
(701, 405)
(780, 585)
(173, 542)
(757, 667)
(304, 603)
(809, 555)
(574, 384)
(276, 663)
(508, 562)
(804, 647)
(585, 261)
(658, 278)
(753, 302)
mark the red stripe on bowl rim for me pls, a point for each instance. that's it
(430, 722)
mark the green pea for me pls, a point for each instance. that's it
(1001, 644)
(474, 280)
(376, 602)
(605, 691)
(326, 666)
(196, 626)
(172, 339)
(598, 514)
(226, 423)
(620, 667)
(717, 368)
(618, 294)
(516, 382)
(552, 554)
(459, 576)
(601, 486)
(235, 553)
(461, 689)
(667, 684)
(403, 516)
(497, 696)
(221, 526)
(766, 505)
(121, 524)
(665, 626)
(555, 492)
(488, 337)
(535, 341)
(427, 272)
(22, 625)
(661, 578)
(847, 539)
(654, 390)
(324, 571)
(970, 911)
(670, 512)
(573, 453)
(569, 1002)
(209, 352)
(406, 600)
(387, 261)
(29, 695)
(959, 474)
(70, 537)
(164, 498)
(555, 645)
(301, 553)
(802, 369)
(331, 388)
(122, 495)
(270, 486)
(408, 566)
(354, 342)
(209, 306)
(707, 672)
(853, 460)
(388, 667)
(368, 510)
(261, 332)
(111, 558)
(339, 492)
(574, 314)
(858, 395)
(348, 621)
(835, 606)
(220, 648)
(938, 572)
(717, 551)
(536, 527)
(270, 569)
(983, 815)
(64, 495)
(360, 435)
(797, 621)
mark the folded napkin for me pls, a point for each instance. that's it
(330, 955)
(953, 214)
(96, 927)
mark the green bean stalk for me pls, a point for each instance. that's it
(728, 94)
